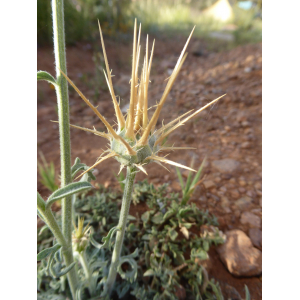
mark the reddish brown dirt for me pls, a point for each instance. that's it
(230, 129)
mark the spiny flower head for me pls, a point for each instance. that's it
(80, 236)
(137, 142)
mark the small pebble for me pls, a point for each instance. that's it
(242, 183)
(208, 184)
(245, 145)
(235, 194)
(258, 186)
(223, 189)
(232, 180)
(218, 179)
(242, 190)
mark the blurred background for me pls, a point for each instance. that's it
(231, 20)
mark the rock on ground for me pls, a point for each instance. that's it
(251, 219)
(226, 165)
(239, 256)
(243, 203)
(255, 235)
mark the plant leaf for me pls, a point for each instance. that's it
(173, 234)
(248, 297)
(185, 232)
(43, 229)
(197, 176)
(157, 218)
(149, 272)
(43, 254)
(78, 166)
(183, 211)
(64, 271)
(68, 190)
(170, 213)
(40, 201)
(132, 274)
(145, 216)
(105, 240)
(180, 178)
(131, 218)
(43, 75)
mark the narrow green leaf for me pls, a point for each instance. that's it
(43, 75)
(76, 168)
(188, 182)
(50, 261)
(149, 272)
(97, 264)
(43, 229)
(248, 297)
(43, 254)
(105, 240)
(131, 218)
(180, 178)
(68, 190)
(197, 176)
(40, 202)
(64, 271)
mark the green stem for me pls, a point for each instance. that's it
(87, 272)
(49, 219)
(64, 132)
(120, 234)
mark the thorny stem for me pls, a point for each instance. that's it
(120, 234)
(64, 132)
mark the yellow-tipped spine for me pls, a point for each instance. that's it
(119, 115)
(130, 117)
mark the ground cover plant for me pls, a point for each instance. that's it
(134, 144)
(162, 264)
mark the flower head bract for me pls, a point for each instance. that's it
(136, 142)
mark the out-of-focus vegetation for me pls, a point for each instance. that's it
(171, 16)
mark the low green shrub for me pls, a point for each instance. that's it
(165, 237)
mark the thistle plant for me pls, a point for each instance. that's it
(136, 142)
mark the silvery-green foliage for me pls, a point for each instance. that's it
(248, 297)
(68, 190)
(43, 75)
(161, 262)
(78, 166)
(132, 274)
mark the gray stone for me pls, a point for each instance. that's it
(229, 292)
(239, 256)
(208, 184)
(255, 235)
(246, 145)
(251, 219)
(243, 203)
(226, 165)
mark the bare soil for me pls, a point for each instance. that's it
(230, 129)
